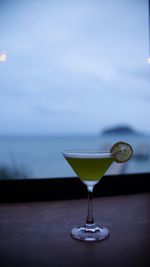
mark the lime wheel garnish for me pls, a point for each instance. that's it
(121, 151)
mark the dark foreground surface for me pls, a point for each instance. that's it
(38, 233)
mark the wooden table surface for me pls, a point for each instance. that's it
(38, 233)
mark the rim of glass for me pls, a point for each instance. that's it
(87, 153)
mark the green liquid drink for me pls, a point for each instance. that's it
(90, 165)
(91, 168)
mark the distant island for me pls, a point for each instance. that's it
(120, 130)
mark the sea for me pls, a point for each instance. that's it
(41, 156)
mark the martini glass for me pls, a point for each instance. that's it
(90, 166)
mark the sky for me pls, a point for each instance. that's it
(74, 66)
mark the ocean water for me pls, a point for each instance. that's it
(41, 156)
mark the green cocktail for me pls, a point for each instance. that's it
(90, 166)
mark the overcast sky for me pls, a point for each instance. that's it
(74, 66)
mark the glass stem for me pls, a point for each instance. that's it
(90, 219)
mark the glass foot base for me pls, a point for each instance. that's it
(90, 233)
